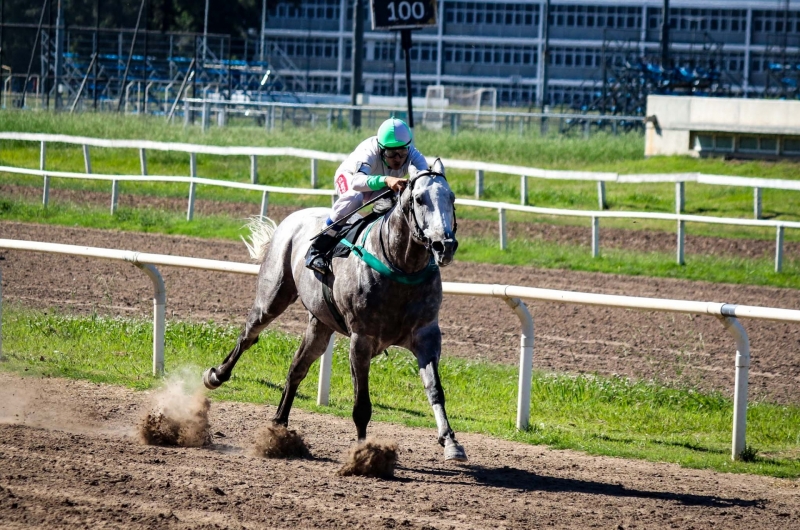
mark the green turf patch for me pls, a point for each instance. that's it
(600, 415)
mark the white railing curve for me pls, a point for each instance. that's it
(511, 294)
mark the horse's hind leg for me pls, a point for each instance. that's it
(311, 348)
(276, 292)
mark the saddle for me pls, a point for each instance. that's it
(351, 232)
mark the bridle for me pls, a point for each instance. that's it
(410, 216)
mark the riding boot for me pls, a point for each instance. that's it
(318, 256)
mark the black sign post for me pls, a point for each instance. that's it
(405, 15)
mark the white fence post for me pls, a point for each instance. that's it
(595, 236)
(159, 318)
(313, 172)
(205, 116)
(680, 197)
(42, 157)
(143, 160)
(757, 203)
(523, 190)
(779, 249)
(186, 111)
(478, 183)
(192, 186)
(114, 196)
(502, 216)
(253, 169)
(264, 203)
(525, 362)
(601, 195)
(741, 383)
(87, 162)
(325, 365)
(681, 240)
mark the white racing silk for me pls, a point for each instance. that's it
(350, 179)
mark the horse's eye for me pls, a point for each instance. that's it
(418, 200)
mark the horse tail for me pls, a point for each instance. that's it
(261, 231)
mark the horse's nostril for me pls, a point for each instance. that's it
(437, 246)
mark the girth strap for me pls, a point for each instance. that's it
(414, 278)
(327, 295)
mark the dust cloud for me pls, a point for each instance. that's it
(178, 413)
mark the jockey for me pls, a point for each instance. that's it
(379, 162)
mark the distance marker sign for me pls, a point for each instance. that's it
(403, 14)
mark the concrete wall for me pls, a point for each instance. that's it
(671, 120)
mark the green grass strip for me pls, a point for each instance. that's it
(534, 252)
(598, 415)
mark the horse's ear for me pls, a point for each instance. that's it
(438, 167)
(412, 172)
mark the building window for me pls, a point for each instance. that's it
(488, 54)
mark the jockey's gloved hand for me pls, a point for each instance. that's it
(396, 184)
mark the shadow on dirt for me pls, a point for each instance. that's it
(522, 480)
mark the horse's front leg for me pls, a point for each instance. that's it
(427, 347)
(362, 349)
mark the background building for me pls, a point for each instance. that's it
(599, 53)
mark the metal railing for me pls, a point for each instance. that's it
(728, 314)
(480, 169)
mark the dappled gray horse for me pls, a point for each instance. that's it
(398, 306)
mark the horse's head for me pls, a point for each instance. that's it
(429, 206)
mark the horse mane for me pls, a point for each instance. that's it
(261, 231)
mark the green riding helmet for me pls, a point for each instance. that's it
(393, 134)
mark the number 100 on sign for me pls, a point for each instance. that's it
(394, 14)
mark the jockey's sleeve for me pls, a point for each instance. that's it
(376, 182)
(361, 181)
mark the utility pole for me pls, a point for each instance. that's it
(261, 33)
(96, 50)
(2, 22)
(545, 53)
(665, 35)
(358, 48)
(205, 34)
(59, 62)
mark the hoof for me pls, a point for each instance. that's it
(454, 452)
(210, 379)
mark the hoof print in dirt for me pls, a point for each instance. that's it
(371, 458)
(182, 426)
(276, 441)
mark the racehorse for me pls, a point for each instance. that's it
(393, 301)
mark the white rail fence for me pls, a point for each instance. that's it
(501, 207)
(480, 168)
(728, 314)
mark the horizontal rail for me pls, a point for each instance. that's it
(626, 302)
(199, 102)
(553, 174)
(626, 215)
(167, 178)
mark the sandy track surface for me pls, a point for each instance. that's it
(71, 459)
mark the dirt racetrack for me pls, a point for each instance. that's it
(71, 460)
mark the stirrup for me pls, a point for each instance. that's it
(319, 264)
